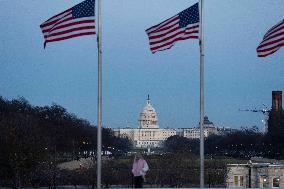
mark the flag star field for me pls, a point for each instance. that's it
(84, 9)
(189, 16)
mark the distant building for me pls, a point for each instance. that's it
(277, 101)
(225, 130)
(255, 175)
(148, 134)
(275, 129)
(209, 129)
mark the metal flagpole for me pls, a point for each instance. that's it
(99, 118)
(201, 44)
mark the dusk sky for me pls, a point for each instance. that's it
(65, 72)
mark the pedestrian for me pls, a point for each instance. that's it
(139, 169)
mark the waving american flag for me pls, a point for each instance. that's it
(184, 25)
(74, 22)
(272, 40)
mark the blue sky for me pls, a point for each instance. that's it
(66, 72)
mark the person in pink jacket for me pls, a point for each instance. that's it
(139, 169)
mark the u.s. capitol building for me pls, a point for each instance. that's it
(149, 135)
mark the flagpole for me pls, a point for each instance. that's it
(201, 44)
(99, 118)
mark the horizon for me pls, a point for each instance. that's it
(66, 72)
(127, 125)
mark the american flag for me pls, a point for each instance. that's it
(182, 26)
(74, 22)
(272, 40)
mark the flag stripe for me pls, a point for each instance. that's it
(55, 20)
(168, 21)
(70, 36)
(173, 34)
(280, 24)
(272, 41)
(71, 24)
(160, 35)
(277, 30)
(171, 43)
(195, 27)
(58, 15)
(70, 28)
(272, 45)
(51, 27)
(178, 37)
(165, 29)
(274, 34)
(266, 54)
(173, 37)
(70, 31)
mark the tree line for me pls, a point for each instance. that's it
(34, 139)
(244, 143)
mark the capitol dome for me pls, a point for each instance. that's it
(148, 117)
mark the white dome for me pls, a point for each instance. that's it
(148, 108)
(148, 117)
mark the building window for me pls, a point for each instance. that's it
(241, 180)
(276, 182)
(264, 182)
(238, 181)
